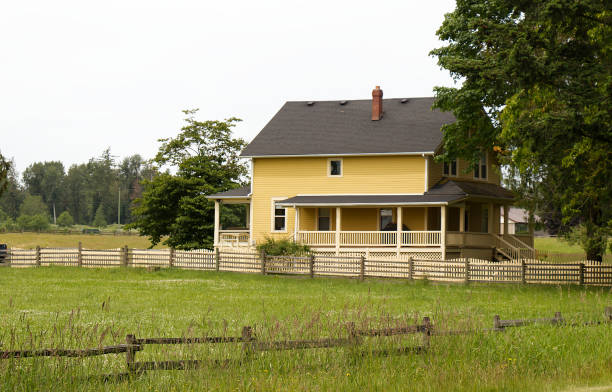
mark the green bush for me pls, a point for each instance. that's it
(38, 222)
(283, 247)
(65, 219)
(8, 224)
(99, 220)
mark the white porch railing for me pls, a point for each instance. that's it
(316, 238)
(369, 238)
(234, 237)
(421, 238)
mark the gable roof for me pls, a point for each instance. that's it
(331, 128)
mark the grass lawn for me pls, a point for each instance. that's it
(556, 245)
(72, 307)
(92, 241)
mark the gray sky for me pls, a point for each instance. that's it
(79, 76)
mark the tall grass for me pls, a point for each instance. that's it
(72, 308)
(92, 241)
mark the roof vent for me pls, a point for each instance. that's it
(310, 103)
(404, 100)
(343, 103)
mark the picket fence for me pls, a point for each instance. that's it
(391, 266)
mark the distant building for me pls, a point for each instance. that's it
(518, 221)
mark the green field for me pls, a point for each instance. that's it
(92, 241)
(71, 307)
(556, 245)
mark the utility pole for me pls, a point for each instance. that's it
(119, 207)
(54, 219)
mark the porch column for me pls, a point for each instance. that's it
(462, 219)
(248, 215)
(296, 224)
(400, 223)
(491, 220)
(338, 225)
(443, 231)
(216, 238)
(506, 210)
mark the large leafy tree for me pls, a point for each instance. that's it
(204, 156)
(5, 167)
(535, 86)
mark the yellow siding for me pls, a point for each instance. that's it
(436, 171)
(360, 219)
(414, 218)
(288, 177)
(308, 218)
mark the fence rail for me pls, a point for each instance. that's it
(403, 266)
(251, 343)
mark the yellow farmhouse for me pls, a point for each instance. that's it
(359, 176)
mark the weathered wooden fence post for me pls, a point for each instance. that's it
(410, 268)
(124, 256)
(311, 265)
(80, 255)
(467, 270)
(130, 352)
(581, 274)
(171, 258)
(247, 338)
(608, 313)
(37, 255)
(558, 318)
(217, 259)
(352, 334)
(263, 262)
(523, 271)
(426, 332)
(497, 323)
(361, 267)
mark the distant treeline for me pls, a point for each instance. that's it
(96, 193)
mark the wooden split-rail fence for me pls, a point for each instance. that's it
(320, 264)
(251, 344)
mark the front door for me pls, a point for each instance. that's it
(324, 220)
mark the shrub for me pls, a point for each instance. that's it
(283, 247)
(38, 222)
(65, 219)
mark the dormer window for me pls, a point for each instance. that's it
(334, 167)
(480, 171)
(450, 168)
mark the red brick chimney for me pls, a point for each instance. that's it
(377, 110)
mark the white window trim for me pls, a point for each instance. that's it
(273, 201)
(329, 160)
(480, 169)
(450, 169)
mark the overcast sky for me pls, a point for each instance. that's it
(79, 76)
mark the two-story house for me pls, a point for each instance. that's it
(360, 176)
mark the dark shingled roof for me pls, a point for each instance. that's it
(232, 193)
(329, 128)
(441, 193)
(470, 188)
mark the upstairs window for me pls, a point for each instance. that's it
(450, 169)
(480, 171)
(280, 218)
(334, 168)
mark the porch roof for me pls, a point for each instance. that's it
(368, 200)
(237, 193)
(442, 193)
